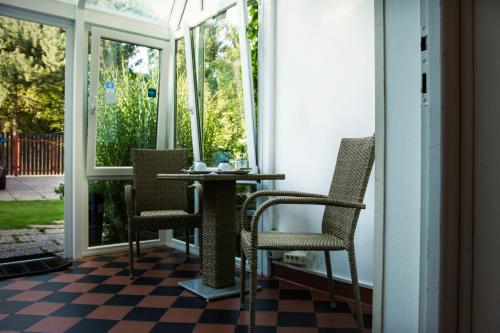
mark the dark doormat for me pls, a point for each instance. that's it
(31, 265)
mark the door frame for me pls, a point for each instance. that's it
(68, 26)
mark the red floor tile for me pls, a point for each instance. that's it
(30, 295)
(92, 298)
(174, 315)
(54, 324)
(133, 326)
(40, 309)
(110, 312)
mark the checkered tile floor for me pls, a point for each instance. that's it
(96, 295)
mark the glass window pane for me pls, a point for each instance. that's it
(108, 214)
(183, 135)
(127, 106)
(219, 88)
(157, 10)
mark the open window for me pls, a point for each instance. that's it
(220, 87)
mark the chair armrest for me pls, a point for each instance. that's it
(300, 201)
(272, 193)
(130, 200)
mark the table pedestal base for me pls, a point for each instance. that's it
(197, 287)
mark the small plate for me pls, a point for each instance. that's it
(197, 172)
(232, 172)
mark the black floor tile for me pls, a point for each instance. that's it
(41, 277)
(173, 327)
(165, 266)
(295, 294)
(74, 310)
(104, 258)
(19, 322)
(50, 286)
(61, 297)
(92, 326)
(107, 288)
(220, 317)
(148, 281)
(269, 284)
(149, 259)
(80, 270)
(93, 279)
(125, 300)
(5, 294)
(263, 304)
(162, 250)
(76, 263)
(145, 314)
(184, 274)
(13, 306)
(367, 320)
(114, 264)
(137, 272)
(337, 330)
(167, 291)
(259, 329)
(324, 307)
(301, 319)
(189, 302)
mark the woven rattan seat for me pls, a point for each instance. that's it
(166, 213)
(342, 207)
(291, 241)
(155, 205)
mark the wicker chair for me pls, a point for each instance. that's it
(155, 205)
(342, 207)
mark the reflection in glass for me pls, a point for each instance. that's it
(126, 114)
(219, 87)
(183, 136)
(108, 214)
(157, 10)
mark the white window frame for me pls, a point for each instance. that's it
(97, 34)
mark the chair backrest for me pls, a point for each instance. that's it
(154, 194)
(352, 172)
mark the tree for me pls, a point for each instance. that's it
(32, 63)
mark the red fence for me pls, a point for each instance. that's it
(34, 154)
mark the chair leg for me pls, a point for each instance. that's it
(355, 285)
(200, 249)
(253, 290)
(187, 243)
(130, 253)
(138, 244)
(331, 286)
(243, 279)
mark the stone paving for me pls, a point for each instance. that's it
(30, 188)
(36, 239)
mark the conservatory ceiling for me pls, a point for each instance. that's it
(165, 12)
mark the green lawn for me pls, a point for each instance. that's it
(20, 214)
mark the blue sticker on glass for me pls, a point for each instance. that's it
(109, 85)
(151, 92)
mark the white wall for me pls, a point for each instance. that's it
(324, 91)
(486, 250)
(403, 166)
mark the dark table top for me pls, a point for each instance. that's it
(220, 177)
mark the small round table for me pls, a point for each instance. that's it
(218, 231)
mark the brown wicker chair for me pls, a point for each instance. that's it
(342, 207)
(155, 205)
